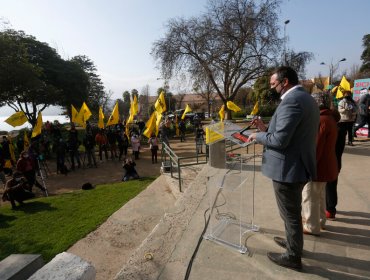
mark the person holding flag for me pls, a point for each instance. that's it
(153, 145)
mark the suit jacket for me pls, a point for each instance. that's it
(290, 141)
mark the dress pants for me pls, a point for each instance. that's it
(331, 197)
(289, 199)
(313, 206)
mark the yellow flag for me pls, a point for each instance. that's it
(74, 114)
(255, 109)
(135, 106)
(101, 118)
(158, 122)
(83, 115)
(26, 141)
(211, 134)
(187, 110)
(17, 119)
(232, 106)
(38, 127)
(222, 113)
(343, 87)
(127, 131)
(160, 104)
(114, 117)
(150, 125)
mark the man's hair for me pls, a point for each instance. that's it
(286, 72)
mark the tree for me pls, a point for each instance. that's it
(233, 43)
(365, 56)
(144, 102)
(96, 94)
(33, 76)
(124, 107)
(203, 87)
(298, 61)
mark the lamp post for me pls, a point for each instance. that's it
(333, 68)
(285, 41)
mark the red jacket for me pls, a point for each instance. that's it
(327, 166)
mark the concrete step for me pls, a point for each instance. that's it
(20, 266)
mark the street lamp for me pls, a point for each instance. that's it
(285, 40)
(333, 68)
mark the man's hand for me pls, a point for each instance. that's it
(252, 137)
(257, 122)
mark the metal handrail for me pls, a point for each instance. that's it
(176, 160)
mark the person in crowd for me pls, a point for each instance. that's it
(20, 143)
(153, 145)
(313, 195)
(26, 165)
(112, 138)
(135, 145)
(17, 189)
(73, 144)
(129, 170)
(199, 139)
(182, 129)
(348, 112)
(165, 131)
(61, 150)
(196, 122)
(141, 125)
(331, 187)
(89, 143)
(2, 163)
(89, 129)
(291, 134)
(122, 140)
(102, 141)
(7, 155)
(363, 113)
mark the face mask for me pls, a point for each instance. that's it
(274, 92)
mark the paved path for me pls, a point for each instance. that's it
(341, 252)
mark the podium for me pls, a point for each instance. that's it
(230, 185)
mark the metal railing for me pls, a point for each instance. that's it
(179, 162)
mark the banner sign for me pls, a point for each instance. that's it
(360, 87)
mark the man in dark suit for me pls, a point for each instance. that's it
(289, 158)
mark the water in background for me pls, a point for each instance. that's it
(6, 127)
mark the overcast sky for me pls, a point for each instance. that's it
(118, 35)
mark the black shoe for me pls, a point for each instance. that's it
(285, 261)
(280, 241)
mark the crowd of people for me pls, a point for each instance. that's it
(72, 149)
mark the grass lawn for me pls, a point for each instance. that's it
(50, 225)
